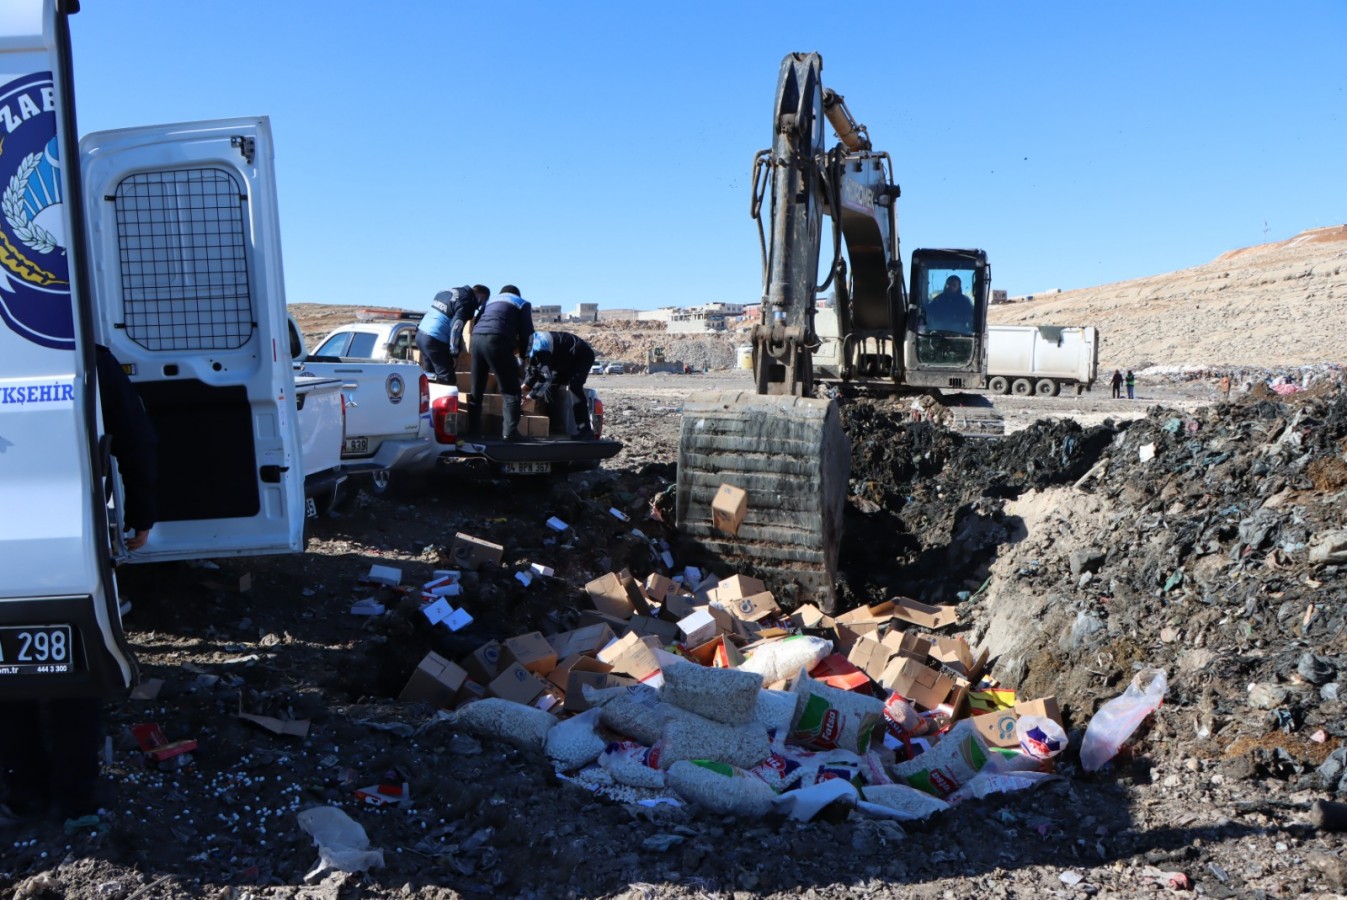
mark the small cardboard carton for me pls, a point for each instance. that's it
(470, 691)
(997, 728)
(493, 404)
(532, 406)
(728, 508)
(754, 607)
(875, 614)
(923, 614)
(658, 586)
(666, 631)
(474, 553)
(532, 651)
(483, 664)
(810, 616)
(590, 639)
(953, 652)
(909, 644)
(910, 679)
(699, 627)
(1044, 706)
(635, 595)
(609, 596)
(736, 586)
(591, 617)
(534, 426)
(678, 606)
(436, 680)
(871, 657)
(845, 636)
(517, 684)
(578, 678)
(632, 655)
(561, 675)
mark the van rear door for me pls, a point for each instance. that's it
(189, 294)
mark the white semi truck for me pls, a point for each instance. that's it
(1040, 360)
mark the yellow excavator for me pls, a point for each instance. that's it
(780, 444)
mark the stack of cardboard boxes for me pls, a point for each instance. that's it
(533, 421)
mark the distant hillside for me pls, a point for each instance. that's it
(1276, 304)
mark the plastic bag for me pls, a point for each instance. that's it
(1040, 737)
(1118, 719)
(781, 659)
(343, 845)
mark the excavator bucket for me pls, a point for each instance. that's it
(793, 459)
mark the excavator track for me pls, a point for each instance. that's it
(793, 459)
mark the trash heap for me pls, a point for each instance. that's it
(702, 690)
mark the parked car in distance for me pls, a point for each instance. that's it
(596, 369)
(613, 368)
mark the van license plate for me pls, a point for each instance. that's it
(35, 650)
(356, 446)
(527, 468)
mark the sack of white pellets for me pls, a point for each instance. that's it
(637, 718)
(951, 763)
(525, 726)
(574, 742)
(631, 764)
(903, 802)
(789, 768)
(826, 717)
(723, 695)
(723, 789)
(776, 710)
(693, 737)
(782, 659)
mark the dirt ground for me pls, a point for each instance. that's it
(1212, 794)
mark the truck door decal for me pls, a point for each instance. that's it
(182, 238)
(34, 273)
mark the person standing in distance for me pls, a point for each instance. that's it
(560, 360)
(49, 748)
(501, 335)
(439, 336)
(1117, 385)
(1131, 384)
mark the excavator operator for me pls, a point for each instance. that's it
(951, 309)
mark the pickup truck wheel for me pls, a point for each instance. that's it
(1046, 387)
(999, 384)
(387, 483)
(1022, 387)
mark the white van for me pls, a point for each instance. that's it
(162, 244)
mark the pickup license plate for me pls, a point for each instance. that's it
(36, 650)
(527, 468)
(356, 446)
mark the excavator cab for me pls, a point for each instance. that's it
(947, 318)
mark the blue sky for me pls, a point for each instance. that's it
(601, 152)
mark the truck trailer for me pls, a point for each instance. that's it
(1040, 360)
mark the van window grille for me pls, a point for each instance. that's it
(184, 269)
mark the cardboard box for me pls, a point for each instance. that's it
(678, 606)
(736, 586)
(517, 684)
(810, 616)
(532, 406)
(561, 675)
(578, 679)
(535, 426)
(870, 656)
(1044, 706)
(635, 595)
(590, 639)
(728, 508)
(532, 651)
(657, 587)
(699, 627)
(909, 644)
(474, 553)
(910, 679)
(856, 682)
(435, 680)
(591, 617)
(844, 637)
(953, 652)
(470, 691)
(493, 404)
(632, 655)
(666, 631)
(923, 614)
(483, 664)
(876, 614)
(997, 728)
(755, 607)
(609, 596)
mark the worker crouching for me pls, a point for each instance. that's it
(560, 361)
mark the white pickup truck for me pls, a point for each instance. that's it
(389, 339)
(385, 403)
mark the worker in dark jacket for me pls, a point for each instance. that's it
(49, 749)
(439, 336)
(500, 337)
(558, 358)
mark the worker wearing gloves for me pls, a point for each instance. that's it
(559, 358)
(439, 336)
(499, 335)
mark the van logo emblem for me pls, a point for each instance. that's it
(34, 271)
